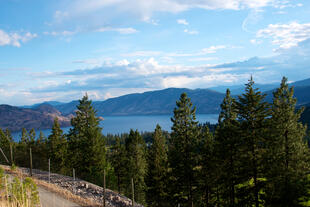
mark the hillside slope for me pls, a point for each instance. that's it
(41, 117)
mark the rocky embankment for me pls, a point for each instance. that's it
(83, 189)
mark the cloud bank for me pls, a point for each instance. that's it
(148, 74)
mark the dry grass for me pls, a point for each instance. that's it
(68, 195)
(14, 193)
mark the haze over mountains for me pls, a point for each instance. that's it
(207, 101)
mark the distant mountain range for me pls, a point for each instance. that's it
(153, 102)
(207, 101)
(39, 117)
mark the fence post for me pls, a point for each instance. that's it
(11, 151)
(30, 162)
(104, 187)
(49, 170)
(133, 192)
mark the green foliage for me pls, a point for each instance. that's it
(57, 148)
(207, 169)
(2, 181)
(119, 161)
(183, 152)
(13, 167)
(227, 145)
(252, 114)
(136, 165)
(287, 159)
(5, 142)
(86, 148)
(242, 190)
(24, 192)
(157, 193)
(25, 136)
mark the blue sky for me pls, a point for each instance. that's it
(60, 49)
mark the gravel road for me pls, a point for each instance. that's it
(49, 199)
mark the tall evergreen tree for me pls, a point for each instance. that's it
(208, 173)
(32, 137)
(137, 165)
(24, 136)
(227, 144)
(57, 148)
(157, 170)
(287, 162)
(119, 163)
(183, 152)
(41, 152)
(252, 115)
(22, 150)
(86, 144)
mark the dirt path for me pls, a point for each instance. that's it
(49, 199)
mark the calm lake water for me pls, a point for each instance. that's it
(123, 124)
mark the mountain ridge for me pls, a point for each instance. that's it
(15, 118)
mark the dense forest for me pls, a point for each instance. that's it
(257, 154)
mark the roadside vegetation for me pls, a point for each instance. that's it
(16, 192)
(257, 155)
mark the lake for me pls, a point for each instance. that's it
(123, 124)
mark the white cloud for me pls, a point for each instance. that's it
(148, 53)
(204, 51)
(62, 33)
(191, 32)
(145, 9)
(205, 81)
(286, 35)
(15, 39)
(182, 21)
(128, 30)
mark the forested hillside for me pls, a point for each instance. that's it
(39, 117)
(257, 155)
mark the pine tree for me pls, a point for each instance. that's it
(24, 136)
(32, 137)
(287, 162)
(183, 152)
(207, 177)
(22, 150)
(157, 170)
(41, 152)
(227, 144)
(119, 162)
(57, 148)
(137, 165)
(86, 143)
(252, 115)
